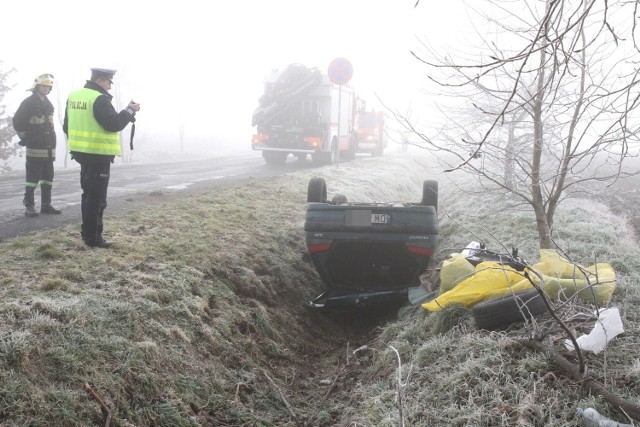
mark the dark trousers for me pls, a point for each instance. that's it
(94, 180)
(38, 170)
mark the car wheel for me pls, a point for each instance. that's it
(317, 191)
(339, 199)
(430, 194)
(501, 312)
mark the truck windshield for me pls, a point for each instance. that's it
(367, 119)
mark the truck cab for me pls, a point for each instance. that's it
(370, 136)
(303, 113)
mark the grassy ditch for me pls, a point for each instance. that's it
(195, 317)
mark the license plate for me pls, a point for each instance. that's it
(377, 218)
(365, 218)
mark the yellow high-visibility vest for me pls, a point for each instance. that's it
(85, 134)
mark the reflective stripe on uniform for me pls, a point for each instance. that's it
(34, 120)
(41, 153)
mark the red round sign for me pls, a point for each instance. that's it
(340, 71)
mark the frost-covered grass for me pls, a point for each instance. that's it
(181, 321)
(459, 376)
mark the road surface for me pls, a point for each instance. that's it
(130, 185)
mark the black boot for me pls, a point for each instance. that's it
(45, 206)
(94, 239)
(29, 203)
(98, 243)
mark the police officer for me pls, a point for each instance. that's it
(33, 122)
(92, 125)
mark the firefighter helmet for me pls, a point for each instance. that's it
(43, 80)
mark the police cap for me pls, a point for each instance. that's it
(102, 72)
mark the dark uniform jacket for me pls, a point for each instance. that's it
(34, 123)
(108, 118)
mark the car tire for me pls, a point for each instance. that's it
(339, 199)
(430, 194)
(317, 191)
(515, 307)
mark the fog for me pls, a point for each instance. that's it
(200, 66)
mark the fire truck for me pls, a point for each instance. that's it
(369, 133)
(299, 114)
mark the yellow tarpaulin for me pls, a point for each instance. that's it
(453, 271)
(562, 280)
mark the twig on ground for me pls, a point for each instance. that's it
(337, 375)
(274, 385)
(103, 407)
(235, 397)
(525, 405)
(361, 348)
(335, 380)
(540, 288)
(333, 383)
(347, 353)
(628, 408)
(400, 386)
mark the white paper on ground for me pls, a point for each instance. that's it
(607, 327)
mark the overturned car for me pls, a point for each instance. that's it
(369, 253)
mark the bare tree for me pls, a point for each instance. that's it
(181, 133)
(552, 96)
(7, 149)
(62, 109)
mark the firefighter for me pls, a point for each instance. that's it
(33, 122)
(92, 124)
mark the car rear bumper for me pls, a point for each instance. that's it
(336, 300)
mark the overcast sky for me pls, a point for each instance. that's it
(201, 64)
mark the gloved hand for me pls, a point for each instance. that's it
(133, 107)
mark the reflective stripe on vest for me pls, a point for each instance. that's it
(86, 135)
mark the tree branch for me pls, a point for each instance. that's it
(106, 413)
(628, 408)
(275, 386)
